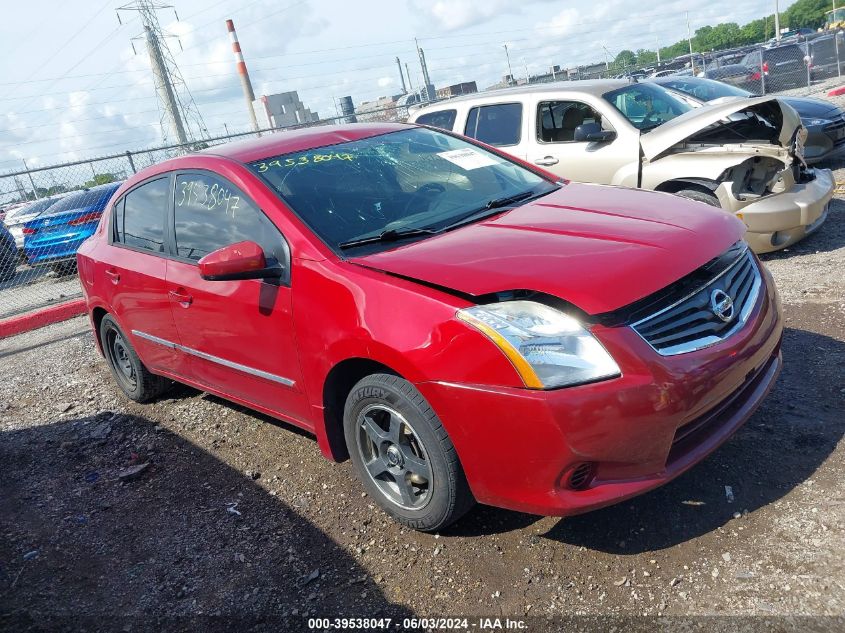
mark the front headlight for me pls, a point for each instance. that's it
(814, 122)
(546, 347)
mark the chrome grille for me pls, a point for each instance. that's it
(701, 318)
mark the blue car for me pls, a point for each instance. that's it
(8, 254)
(54, 236)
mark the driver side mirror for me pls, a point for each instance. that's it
(593, 133)
(244, 260)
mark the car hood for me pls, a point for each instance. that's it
(679, 129)
(599, 248)
(811, 108)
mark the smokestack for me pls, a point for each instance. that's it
(426, 90)
(408, 72)
(401, 76)
(246, 84)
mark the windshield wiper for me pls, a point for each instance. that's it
(494, 205)
(389, 235)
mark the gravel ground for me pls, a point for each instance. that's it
(33, 288)
(238, 522)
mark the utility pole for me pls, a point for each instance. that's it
(777, 22)
(658, 52)
(164, 87)
(510, 72)
(31, 181)
(689, 40)
(246, 84)
(606, 57)
(179, 112)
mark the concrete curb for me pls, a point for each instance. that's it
(40, 318)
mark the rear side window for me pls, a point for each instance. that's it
(444, 119)
(139, 216)
(498, 124)
(210, 213)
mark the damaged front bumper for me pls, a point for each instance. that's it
(779, 220)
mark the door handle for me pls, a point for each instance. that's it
(547, 161)
(182, 298)
(113, 275)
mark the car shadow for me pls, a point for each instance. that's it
(185, 542)
(779, 448)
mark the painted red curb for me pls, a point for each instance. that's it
(40, 318)
(836, 92)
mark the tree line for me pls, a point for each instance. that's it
(801, 14)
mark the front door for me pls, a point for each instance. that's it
(238, 334)
(552, 145)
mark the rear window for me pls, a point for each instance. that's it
(497, 124)
(139, 216)
(444, 119)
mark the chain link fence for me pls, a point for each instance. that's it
(47, 212)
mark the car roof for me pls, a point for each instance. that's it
(83, 197)
(287, 141)
(596, 87)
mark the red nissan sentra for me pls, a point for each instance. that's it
(464, 326)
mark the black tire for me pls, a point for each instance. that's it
(422, 445)
(130, 374)
(8, 268)
(63, 269)
(700, 195)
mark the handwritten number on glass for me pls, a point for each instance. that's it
(196, 193)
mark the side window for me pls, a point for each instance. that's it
(139, 216)
(497, 124)
(210, 213)
(557, 120)
(444, 119)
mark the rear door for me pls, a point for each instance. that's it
(239, 334)
(501, 125)
(134, 267)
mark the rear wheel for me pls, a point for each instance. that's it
(133, 378)
(700, 195)
(8, 267)
(403, 455)
(64, 268)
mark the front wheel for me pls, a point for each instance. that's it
(403, 455)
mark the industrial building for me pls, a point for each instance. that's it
(283, 110)
(465, 88)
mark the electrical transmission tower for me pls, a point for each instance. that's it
(181, 121)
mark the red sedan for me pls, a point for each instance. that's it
(462, 325)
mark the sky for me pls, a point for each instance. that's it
(72, 87)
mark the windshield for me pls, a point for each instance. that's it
(404, 184)
(835, 16)
(35, 207)
(645, 105)
(704, 89)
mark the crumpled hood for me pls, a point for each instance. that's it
(679, 129)
(599, 248)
